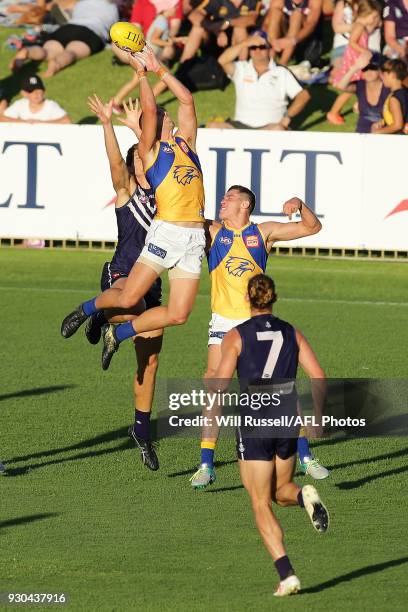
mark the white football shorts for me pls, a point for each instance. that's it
(219, 326)
(175, 248)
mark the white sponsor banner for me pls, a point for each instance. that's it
(55, 181)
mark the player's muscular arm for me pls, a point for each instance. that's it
(187, 119)
(148, 105)
(309, 224)
(313, 369)
(119, 172)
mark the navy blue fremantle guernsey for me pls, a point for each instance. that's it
(133, 220)
(269, 350)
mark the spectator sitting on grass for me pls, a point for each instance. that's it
(33, 107)
(395, 112)
(84, 34)
(262, 88)
(365, 22)
(396, 28)
(291, 24)
(370, 90)
(223, 18)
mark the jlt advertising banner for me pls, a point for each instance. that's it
(55, 181)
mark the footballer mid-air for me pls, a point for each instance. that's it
(134, 209)
(176, 238)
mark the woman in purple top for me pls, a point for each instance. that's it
(370, 91)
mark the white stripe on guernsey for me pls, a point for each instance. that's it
(142, 208)
(308, 300)
(136, 215)
(148, 205)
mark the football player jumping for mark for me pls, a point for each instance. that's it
(134, 209)
(239, 249)
(176, 238)
(267, 347)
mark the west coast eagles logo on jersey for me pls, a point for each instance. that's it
(185, 174)
(238, 265)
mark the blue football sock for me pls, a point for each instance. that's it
(124, 331)
(142, 424)
(89, 307)
(207, 456)
(303, 448)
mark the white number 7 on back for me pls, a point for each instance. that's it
(276, 346)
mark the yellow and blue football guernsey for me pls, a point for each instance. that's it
(177, 179)
(233, 258)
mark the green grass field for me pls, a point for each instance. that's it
(71, 88)
(79, 513)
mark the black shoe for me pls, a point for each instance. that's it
(93, 328)
(73, 322)
(147, 449)
(110, 345)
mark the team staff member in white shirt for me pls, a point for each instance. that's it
(262, 88)
(33, 107)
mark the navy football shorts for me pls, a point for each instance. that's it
(109, 275)
(265, 449)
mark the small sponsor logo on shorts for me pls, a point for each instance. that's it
(167, 149)
(225, 240)
(217, 334)
(268, 325)
(252, 242)
(241, 448)
(152, 248)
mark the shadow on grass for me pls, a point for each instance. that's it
(35, 391)
(385, 457)
(22, 471)
(89, 120)
(109, 436)
(24, 520)
(191, 470)
(363, 571)
(355, 484)
(222, 489)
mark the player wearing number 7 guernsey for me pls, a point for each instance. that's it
(176, 238)
(239, 249)
(265, 347)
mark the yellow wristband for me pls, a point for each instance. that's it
(161, 72)
(141, 74)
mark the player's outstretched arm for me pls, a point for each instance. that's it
(148, 134)
(311, 366)
(187, 119)
(307, 226)
(118, 169)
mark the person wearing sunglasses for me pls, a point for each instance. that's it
(267, 96)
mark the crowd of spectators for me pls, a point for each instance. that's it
(260, 45)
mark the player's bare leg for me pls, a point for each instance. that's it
(123, 297)
(147, 347)
(205, 475)
(182, 296)
(257, 478)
